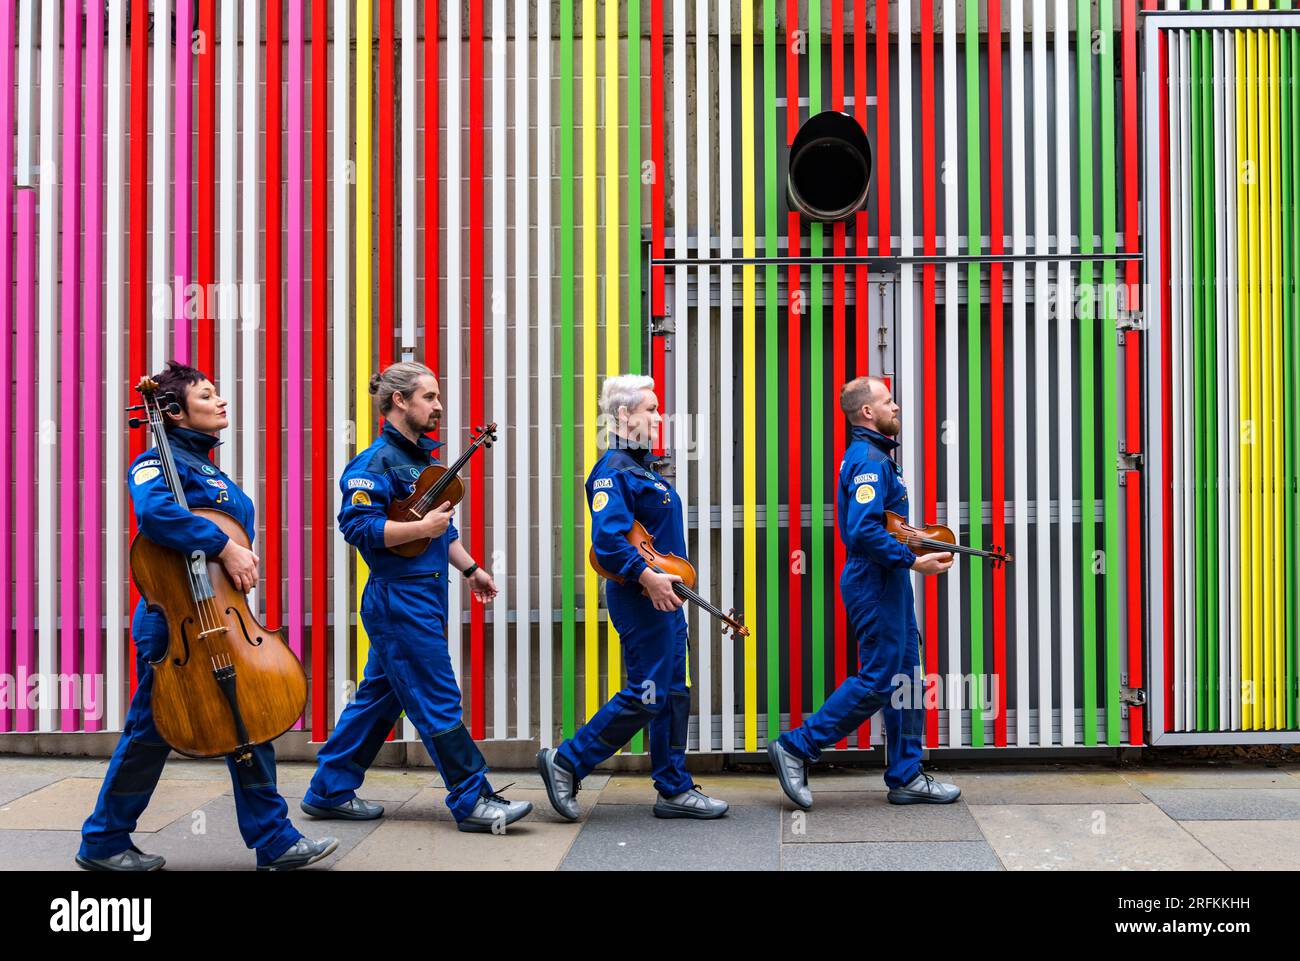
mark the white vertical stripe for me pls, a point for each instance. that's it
(46, 362)
(25, 174)
(1065, 360)
(227, 454)
(726, 360)
(525, 483)
(410, 206)
(160, 298)
(250, 298)
(341, 393)
(679, 409)
(952, 332)
(1227, 431)
(1187, 359)
(115, 326)
(1020, 372)
(1229, 143)
(500, 376)
(545, 535)
(1042, 381)
(451, 384)
(1176, 327)
(704, 317)
(908, 368)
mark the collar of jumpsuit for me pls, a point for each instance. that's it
(425, 446)
(193, 440)
(887, 445)
(644, 456)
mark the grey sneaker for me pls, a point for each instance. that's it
(132, 859)
(303, 853)
(690, 804)
(494, 813)
(924, 789)
(561, 786)
(792, 771)
(353, 810)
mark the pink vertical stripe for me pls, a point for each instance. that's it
(25, 503)
(6, 334)
(92, 485)
(69, 360)
(181, 259)
(294, 304)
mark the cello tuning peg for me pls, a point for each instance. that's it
(135, 422)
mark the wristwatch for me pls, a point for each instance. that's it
(469, 570)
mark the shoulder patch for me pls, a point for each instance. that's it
(145, 474)
(361, 498)
(216, 482)
(599, 501)
(866, 478)
(360, 483)
(150, 462)
(865, 494)
(605, 483)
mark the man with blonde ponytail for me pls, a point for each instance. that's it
(404, 609)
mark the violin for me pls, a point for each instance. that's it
(226, 682)
(437, 484)
(640, 538)
(937, 539)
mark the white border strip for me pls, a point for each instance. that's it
(341, 88)
(1020, 373)
(952, 355)
(726, 360)
(47, 519)
(705, 319)
(545, 534)
(525, 483)
(500, 375)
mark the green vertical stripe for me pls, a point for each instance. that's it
(634, 278)
(1212, 390)
(568, 426)
(974, 375)
(1198, 352)
(1290, 52)
(771, 378)
(1087, 337)
(817, 395)
(1110, 443)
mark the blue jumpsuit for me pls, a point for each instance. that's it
(877, 592)
(141, 752)
(622, 489)
(404, 609)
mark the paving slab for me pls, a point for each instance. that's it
(409, 845)
(1180, 778)
(212, 842)
(1045, 787)
(624, 837)
(1087, 837)
(1228, 804)
(14, 786)
(1250, 845)
(732, 788)
(432, 806)
(891, 856)
(65, 805)
(39, 850)
(867, 816)
(60, 767)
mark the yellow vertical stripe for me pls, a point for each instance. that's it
(749, 365)
(1244, 302)
(591, 628)
(363, 414)
(1276, 670)
(1263, 428)
(613, 273)
(1257, 599)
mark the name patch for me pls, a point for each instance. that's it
(360, 483)
(602, 483)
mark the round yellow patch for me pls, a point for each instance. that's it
(145, 474)
(866, 494)
(599, 501)
(360, 498)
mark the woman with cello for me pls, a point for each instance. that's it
(192, 419)
(644, 603)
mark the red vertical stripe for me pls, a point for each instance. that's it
(431, 226)
(929, 362)
(274, 280)
(477, 233)
(839, 366)
(1133, 363)
(861, 229)
(883, 151)
(138, 282)
(997, 413)
(321, 493)
(386, 239)
(657, 359)
(205, 273)
(794, 377)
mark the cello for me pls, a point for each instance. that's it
(640, 538)
(226, 683)
(437, 484)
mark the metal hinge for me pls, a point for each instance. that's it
(1128, 320)
(661, 326)
(1133, 696)
(1130, 460)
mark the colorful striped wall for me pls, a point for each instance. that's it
(305, 192)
